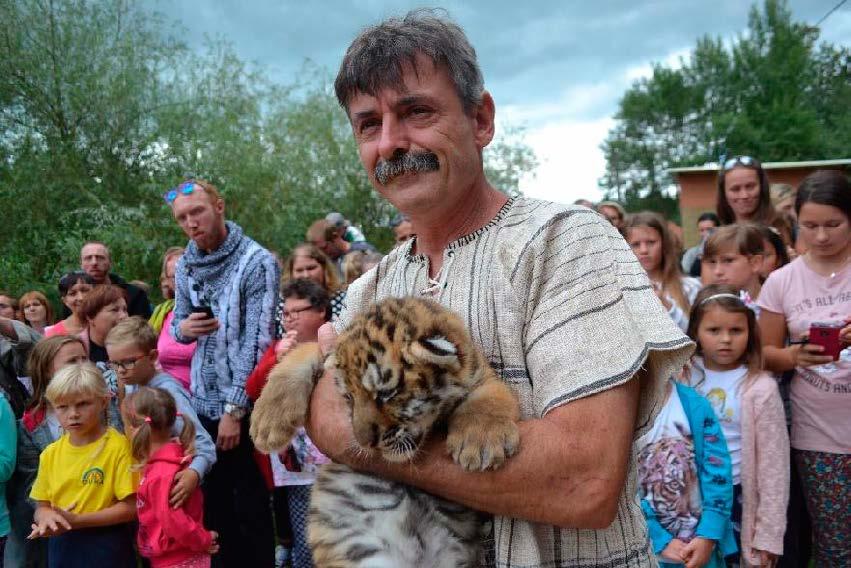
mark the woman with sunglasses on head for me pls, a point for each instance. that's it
(806, 297)
(744, 195)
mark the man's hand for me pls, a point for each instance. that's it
(228, 435)
(185, 482)
(697, 553)
(328, 424)
(327, 338)
(197, 324)
(286, 344)
(48, 522)
(674, 551)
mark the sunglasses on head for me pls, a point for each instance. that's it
(739, 160)
(183, 189)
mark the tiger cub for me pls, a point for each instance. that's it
(407, 367)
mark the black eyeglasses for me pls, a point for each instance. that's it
(127, 364)
(293, 314)
(739, 160)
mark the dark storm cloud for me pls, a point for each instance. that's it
(531, 52)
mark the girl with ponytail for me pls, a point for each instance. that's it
(167, 536)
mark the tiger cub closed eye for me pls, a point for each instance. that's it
(406, 368)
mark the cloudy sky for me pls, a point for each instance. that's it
(557, 67)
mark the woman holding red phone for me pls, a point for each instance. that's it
(810, 299)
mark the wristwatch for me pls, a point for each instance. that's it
(236, 412)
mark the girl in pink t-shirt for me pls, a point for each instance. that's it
(816, 287)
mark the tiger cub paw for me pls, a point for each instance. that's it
(273, 424)
(480, 443)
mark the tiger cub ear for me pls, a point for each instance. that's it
(436, 349)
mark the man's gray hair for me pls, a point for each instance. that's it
(376, 58)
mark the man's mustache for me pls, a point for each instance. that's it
(407, 163)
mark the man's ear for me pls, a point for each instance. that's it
(484, 120)
(219, 206)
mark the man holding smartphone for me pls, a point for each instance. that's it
(226, 290)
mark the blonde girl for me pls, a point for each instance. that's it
(85, 489)
(167, 536)
(727, 369)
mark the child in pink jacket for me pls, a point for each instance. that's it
(167, 536)
(746, 401)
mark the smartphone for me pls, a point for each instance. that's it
(826, 334)
(203, 310)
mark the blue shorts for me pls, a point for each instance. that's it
(92, 548)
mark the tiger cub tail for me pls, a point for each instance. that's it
(283, 404)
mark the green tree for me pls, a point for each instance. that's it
(775, 94)
(103, 106)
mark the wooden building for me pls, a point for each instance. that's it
(698, 186)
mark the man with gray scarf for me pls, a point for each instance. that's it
(226, 293)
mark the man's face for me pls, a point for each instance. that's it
(301, 317)
(94, 260)
(403, 231)
(424, 118)
(202, 220)
(6, 307)
(705, 228)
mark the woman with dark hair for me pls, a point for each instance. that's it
(648, 235)
(806, 296)
(73, 289)
(744, 195)
(744, 192)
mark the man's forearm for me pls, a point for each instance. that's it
(528, 486)
(569, 472)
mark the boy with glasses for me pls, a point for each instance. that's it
(132, 349)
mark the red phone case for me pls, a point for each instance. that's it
(826, 334)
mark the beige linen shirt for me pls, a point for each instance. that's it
(561, 308)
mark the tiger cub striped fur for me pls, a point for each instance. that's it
(407, 368)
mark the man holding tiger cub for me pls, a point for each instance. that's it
(551, 294)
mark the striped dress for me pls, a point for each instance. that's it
(561, 308)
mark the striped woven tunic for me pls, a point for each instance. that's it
(558, 303)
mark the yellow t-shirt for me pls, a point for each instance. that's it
(94, 476)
